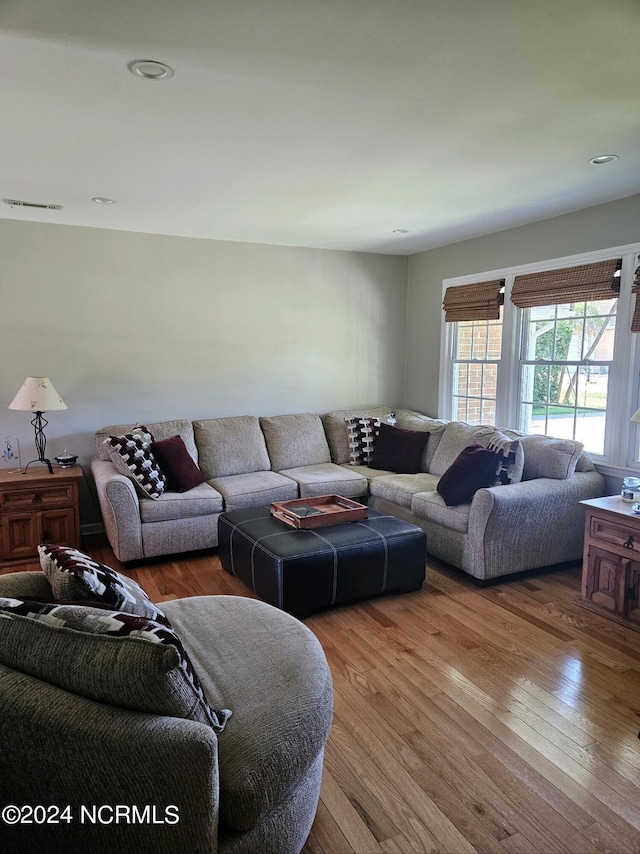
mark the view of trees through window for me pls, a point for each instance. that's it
(568, 351)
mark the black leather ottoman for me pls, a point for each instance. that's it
(301, 571)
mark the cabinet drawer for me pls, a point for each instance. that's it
(35, 497)
(619, 535)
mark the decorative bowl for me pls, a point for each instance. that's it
(66, 460)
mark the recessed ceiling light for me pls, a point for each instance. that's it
(603, 158)
(102, 200)
(401, 231)
(150, 69)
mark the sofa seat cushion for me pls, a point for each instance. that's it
(255, 489)
(275, 678)
(229, 446)
(431, 506)
(365, 471)
(202, 500)
(400, 488)
(295, 440)
(327, 479)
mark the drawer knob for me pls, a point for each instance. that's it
(629, 542)
(37, 498)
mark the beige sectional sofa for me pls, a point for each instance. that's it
(247, 461)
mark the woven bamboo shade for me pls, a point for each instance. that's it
(635, 289)
(570, 284)
(478, 301)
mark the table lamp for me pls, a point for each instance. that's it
(38, 395)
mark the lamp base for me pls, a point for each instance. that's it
(43, 461)
(39, 423)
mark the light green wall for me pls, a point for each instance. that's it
(612, 224)
(144, 327)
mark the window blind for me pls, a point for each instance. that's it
(569, 284)
(478, 301)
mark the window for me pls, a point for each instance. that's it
(567, 368)
(564, 371)
(477, 350)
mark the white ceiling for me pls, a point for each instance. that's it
(319, 123)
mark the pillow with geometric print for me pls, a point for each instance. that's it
(76, 576)
(132, 455)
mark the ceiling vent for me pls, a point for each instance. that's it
(19, 204)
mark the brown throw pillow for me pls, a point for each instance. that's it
(473, 469)
(398, 450)
(177, 464)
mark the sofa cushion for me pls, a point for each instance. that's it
(75, 646)
(432, 506)
(228, 446)
(410, 420)
(327, 479)
(398, 450)
(585, 463)
(472, 469)
(202, 500)
(295, 440)
(177, 464)
(458, 435)
(365, 471)
(256, 489)
(400, 488)
(335, 428)
(160, 430)
(132, 455)
(546, 456)
(362, 434)
(282, 710)
(74, 575)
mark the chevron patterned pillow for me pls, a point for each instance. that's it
(133, 457)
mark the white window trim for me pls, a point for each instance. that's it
(624, 382)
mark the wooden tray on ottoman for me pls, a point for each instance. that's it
(319, 512)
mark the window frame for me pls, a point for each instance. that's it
(622, 437)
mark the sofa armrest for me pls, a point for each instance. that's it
(59, 748)
(120, 510)
(530, 524)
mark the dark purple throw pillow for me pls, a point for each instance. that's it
(473, 469)
(398, 450)
(177, 463)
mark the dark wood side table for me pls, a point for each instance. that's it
(611, 561)
(37, 507)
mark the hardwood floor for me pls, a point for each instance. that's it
(498, 719)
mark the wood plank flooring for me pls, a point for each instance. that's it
(497, 719)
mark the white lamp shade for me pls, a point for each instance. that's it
(636, 417)
(37, 394)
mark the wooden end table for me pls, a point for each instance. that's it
(37, 507)
(611, 561)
